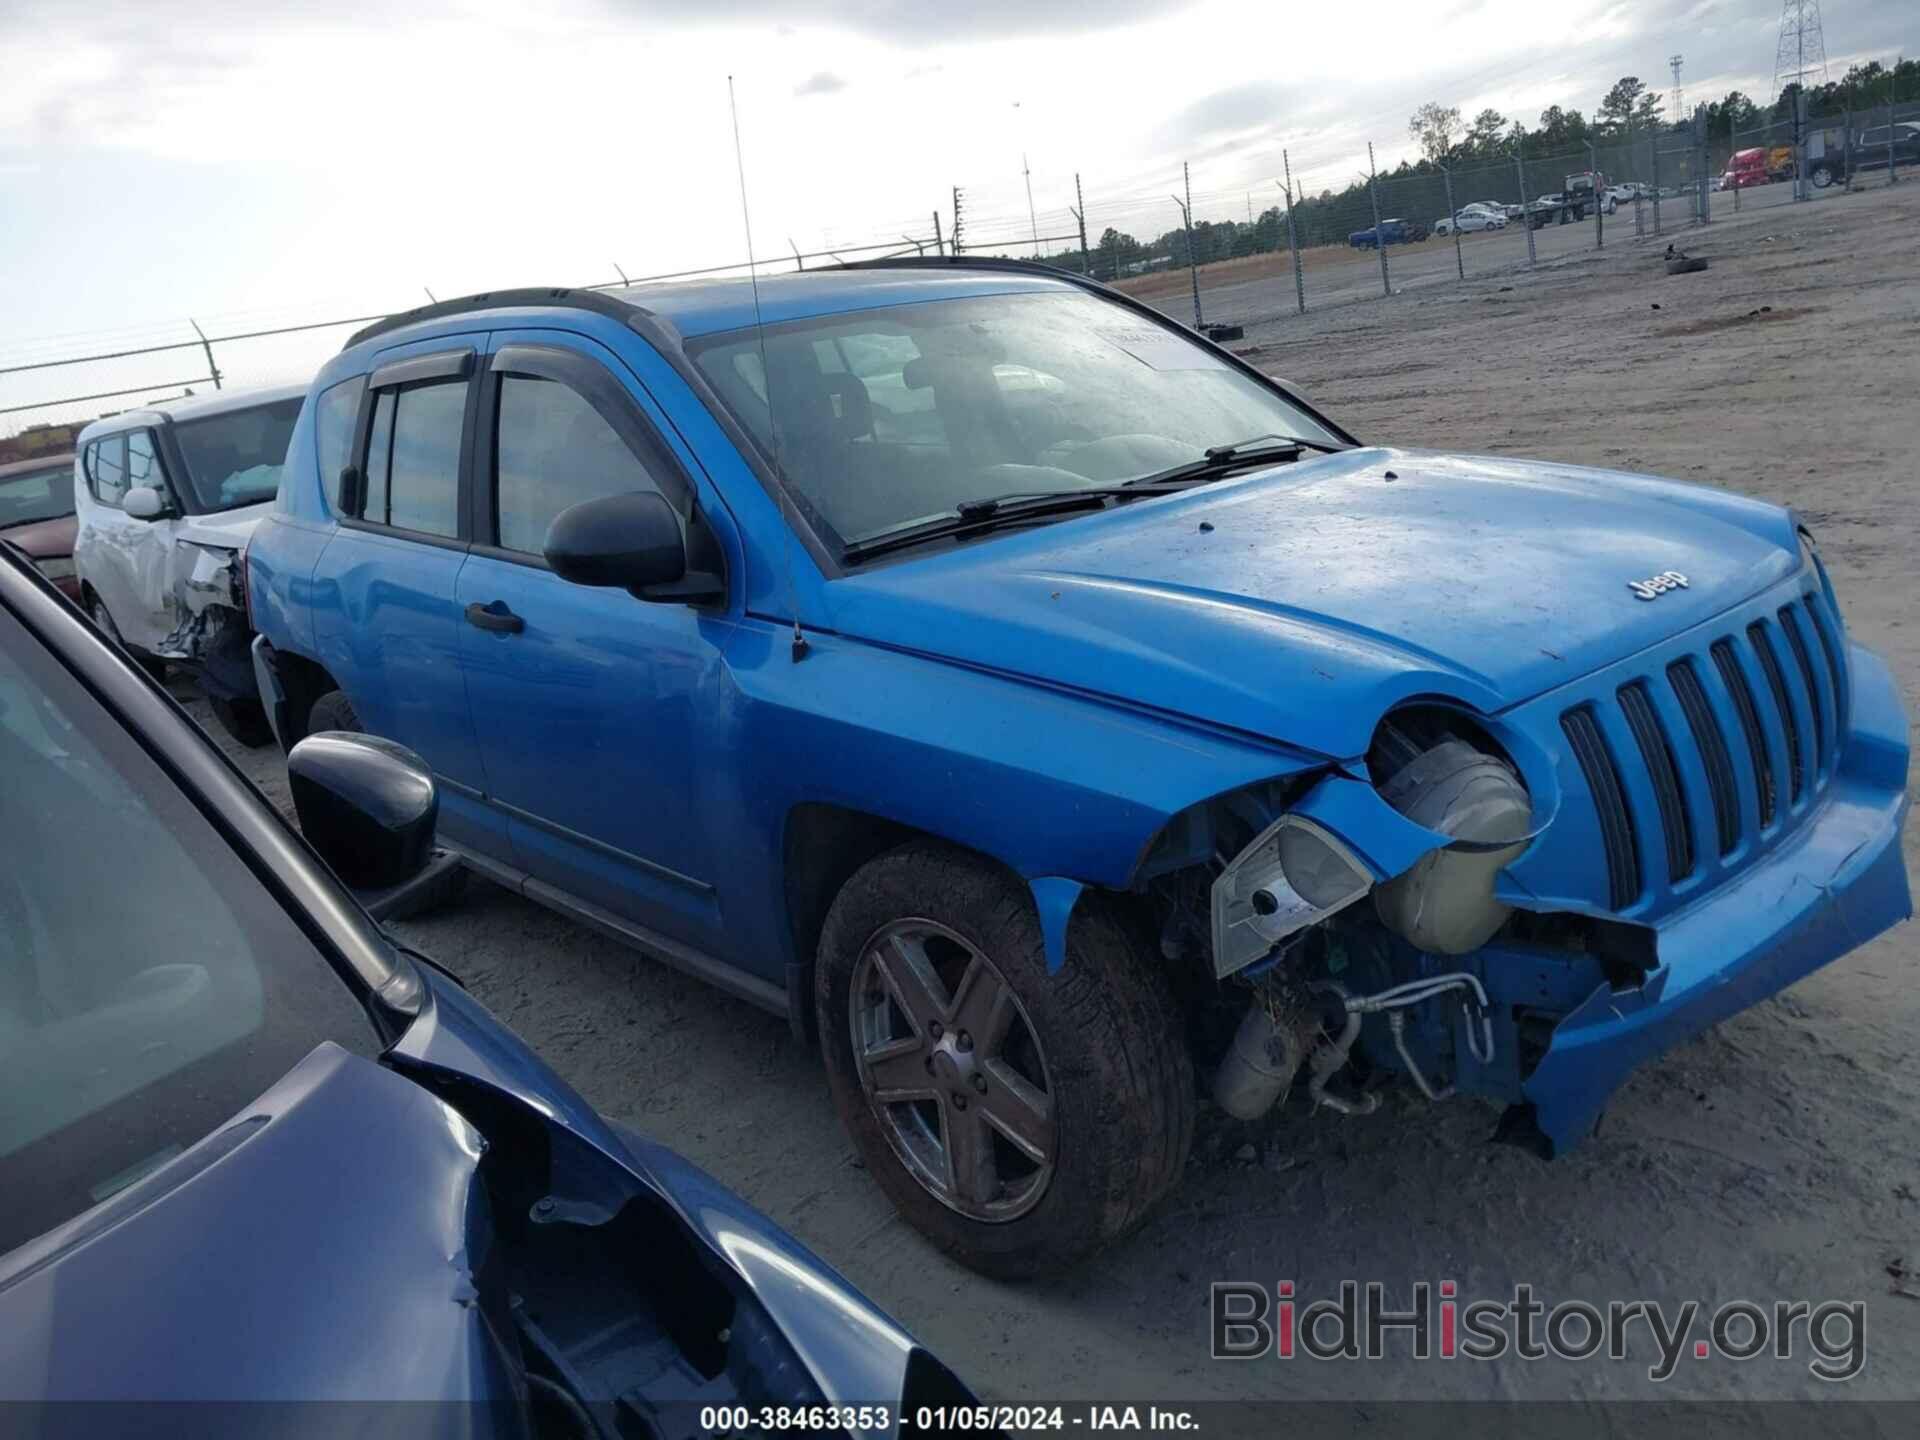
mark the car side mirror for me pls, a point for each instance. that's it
(143, 502)
(631, 541)
(367, 805)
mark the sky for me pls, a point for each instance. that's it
(248, 165)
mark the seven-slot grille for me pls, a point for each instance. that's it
(1774, 734)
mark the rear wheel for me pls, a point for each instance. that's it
(245, 720)
(332, 711)
(1019, 1120)
(1821, 177)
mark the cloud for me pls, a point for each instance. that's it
(902, 22)
(821, 82)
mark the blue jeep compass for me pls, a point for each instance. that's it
(1035, 703)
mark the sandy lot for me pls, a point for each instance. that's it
(1775, 1157)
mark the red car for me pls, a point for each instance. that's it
(36, 513)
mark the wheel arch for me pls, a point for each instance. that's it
(823, 846)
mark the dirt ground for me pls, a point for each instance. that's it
(1773, 1158)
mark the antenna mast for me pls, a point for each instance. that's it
(766, 378)
(1679, 94)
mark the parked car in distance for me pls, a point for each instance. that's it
(1017, 693)
(1872, 148)
(1471, 218)
(1628, 191)
(36, 513)
(167, 498)
(255, 1150)
(1387, 232)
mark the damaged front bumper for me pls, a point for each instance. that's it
(1838, 882)
(211, 634)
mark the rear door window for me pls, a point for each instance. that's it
(413, 458)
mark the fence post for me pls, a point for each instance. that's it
(957, 219)
(213, 370)
(1193, 257)
(1526, 207)
(1653, 168)
(1086, 259)
(939, 244)
(1293, 239)
(1379, 240)
(1800, 144)
(1893, 171)
(1701, 158)
(1459, 264)
(1599, 200)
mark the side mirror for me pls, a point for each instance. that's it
(143, 502)
(632, 541)
(366, 804)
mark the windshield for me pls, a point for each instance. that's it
(41, 494)
(234, 458)
(150, 987)
(892, 416)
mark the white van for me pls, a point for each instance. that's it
(167, 496)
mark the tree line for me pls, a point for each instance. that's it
(1629, 113)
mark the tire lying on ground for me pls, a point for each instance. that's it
(1019, 1120)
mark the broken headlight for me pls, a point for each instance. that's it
(1293, 875)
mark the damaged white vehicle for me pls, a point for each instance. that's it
(168, 496)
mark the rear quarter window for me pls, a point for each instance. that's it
(334, 415)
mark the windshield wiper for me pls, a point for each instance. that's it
(1223, 460)
(981, 517)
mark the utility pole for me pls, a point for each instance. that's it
(939, 245)
(1080, 215)
(958, 220)
(1677, 60)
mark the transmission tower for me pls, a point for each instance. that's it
(1803, 48)
(1679, 95)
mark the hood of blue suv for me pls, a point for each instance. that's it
(1301, 602)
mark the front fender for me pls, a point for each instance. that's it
(1049, 783)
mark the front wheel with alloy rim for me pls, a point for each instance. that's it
(1019, 1120)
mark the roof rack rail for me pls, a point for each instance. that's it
(594, 300)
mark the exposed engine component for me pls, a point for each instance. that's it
(1293, 875)
(1445, 904)
(1266, 1054)
(1330, 1057)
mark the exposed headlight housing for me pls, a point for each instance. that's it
(1293, 875)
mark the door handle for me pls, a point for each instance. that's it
(496, 617)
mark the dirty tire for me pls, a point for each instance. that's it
(1118, 1068)
(332, 711)
(1692, 265)
(97, 612)
(243, 719)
